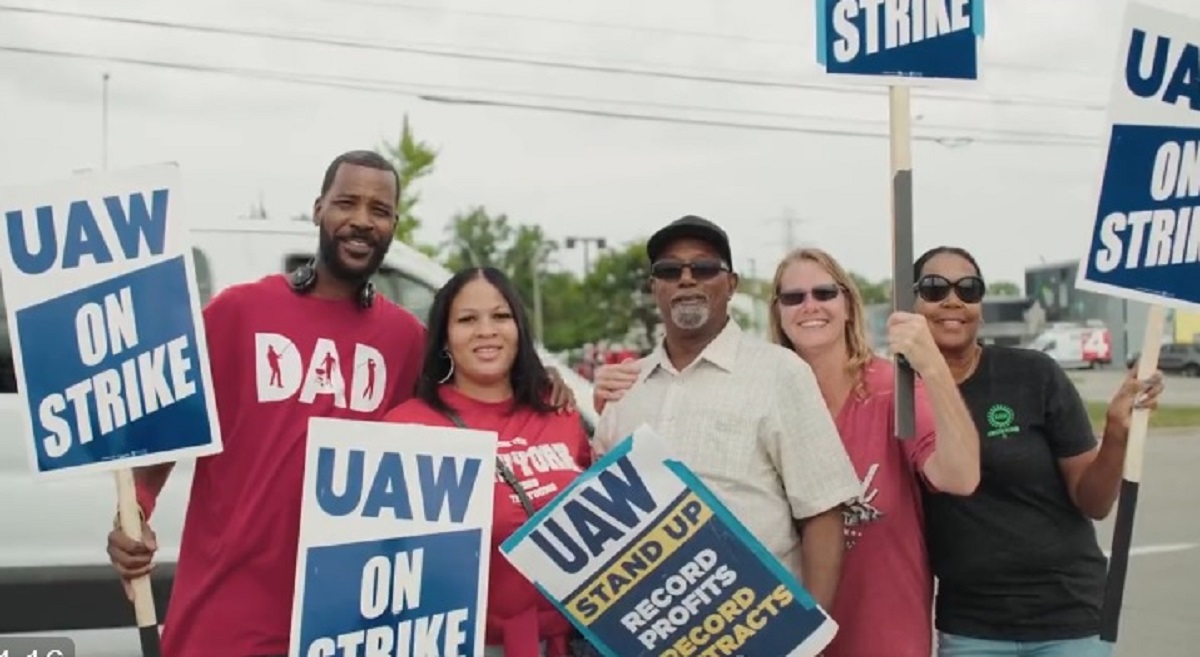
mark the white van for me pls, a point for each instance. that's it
(1075, 347)
(54, 572)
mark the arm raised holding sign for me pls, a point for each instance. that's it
(1028, 526)
(133, 559)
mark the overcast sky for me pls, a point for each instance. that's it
(1012, 176)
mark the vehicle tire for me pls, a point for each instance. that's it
(1192, 370)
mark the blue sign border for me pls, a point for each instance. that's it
(689, 479)
(978, 27)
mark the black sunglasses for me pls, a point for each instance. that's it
(826, 292)
(934, 288)
(672, 270)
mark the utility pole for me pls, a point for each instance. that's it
(600, 243)
(789, 221)
(755, 316)
(536, 267)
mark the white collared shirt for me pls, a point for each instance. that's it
(748, 418)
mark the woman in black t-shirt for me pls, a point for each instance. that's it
(1018, 565)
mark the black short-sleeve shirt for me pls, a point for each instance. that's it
(1017, 560)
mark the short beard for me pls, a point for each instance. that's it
(689, 316)
(328, 256)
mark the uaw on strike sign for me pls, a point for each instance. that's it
(395, 541)
(105, 324)
(644, 560)
(1145, 242)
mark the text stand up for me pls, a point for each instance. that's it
(900, 134)
(130, 518)
(675, 574)
(1122, 540)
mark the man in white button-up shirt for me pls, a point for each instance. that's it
(744, 414)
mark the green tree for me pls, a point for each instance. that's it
(476, 238)
(1004, 289)
(479, 238)
(528, 251)
(756, 287)
(569, 319)
(524, 260)
(413, 160)
(880, 292)
(617, 291)
(743, 319)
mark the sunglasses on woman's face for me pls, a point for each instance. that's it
(672, 270)
(935, 289)
(826, 292)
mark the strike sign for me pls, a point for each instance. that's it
(395, 540)
(104, 317)
(645, 560)
(926, 39)
(1145, 239)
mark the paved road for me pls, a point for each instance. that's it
(1100, 385)
(1161, 617)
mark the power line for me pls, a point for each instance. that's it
(426, 92)
(554, 20)
(1033, 139)
(830, 132)
(654, 29)
(548, 63)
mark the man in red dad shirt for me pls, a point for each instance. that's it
(315, 343)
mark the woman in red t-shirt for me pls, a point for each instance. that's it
(482, 371)
(884, 599)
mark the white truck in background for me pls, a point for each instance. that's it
(1074, 346)
(54, 572)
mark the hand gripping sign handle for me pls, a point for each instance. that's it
(130, 517)
(900, 131)
(1122, 540)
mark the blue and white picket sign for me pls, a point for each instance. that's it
(917, 42)
(104, 318)
(645, 560)
(1144, 242)
(395, 540)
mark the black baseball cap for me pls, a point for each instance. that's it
(692, 227)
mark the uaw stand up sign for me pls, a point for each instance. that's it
(645, 560)
(107, 336)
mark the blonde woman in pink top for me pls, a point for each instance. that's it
(885, 597)
(884, 600)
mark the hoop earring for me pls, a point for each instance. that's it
(450, 372)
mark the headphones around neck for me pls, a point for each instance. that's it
(304, 279)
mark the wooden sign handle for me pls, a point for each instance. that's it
(900, 135)
(130, 518)
(1135, 451)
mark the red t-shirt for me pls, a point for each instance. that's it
(546, 452)
(884, 600)
(277, 359)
